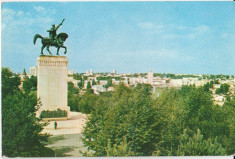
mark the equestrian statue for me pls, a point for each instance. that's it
(53, 40)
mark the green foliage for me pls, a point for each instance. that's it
(93, 82)
(224, 88)
(170, 109)
(154, 127)
(175, 76)
(88, 86)
(84, 78)
(53, 114)
(21, 129)
(10, 82)
(109, 78)
(198, 146)
(211, 84)
(216, 81)
(87, 102)
(132, 122)
(127, 114)
(73, 96)
(81, 84)
(119, 150)
(83, 103)
(24, 72)
(190, 108)
(30, 84)
(207, 87)
(228, 110)
(72, 89)
(109, 84)
(77, 76)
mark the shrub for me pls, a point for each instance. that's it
(53, 114)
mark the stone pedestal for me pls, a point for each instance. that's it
(52, 82)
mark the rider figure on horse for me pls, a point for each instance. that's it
(52, 31)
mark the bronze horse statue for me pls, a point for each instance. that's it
(58, 42)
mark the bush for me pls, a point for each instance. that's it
(47, 152)
(53, 114)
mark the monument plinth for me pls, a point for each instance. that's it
(52, 74)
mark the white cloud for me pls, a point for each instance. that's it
(20, 13)
(186, 32)
(146, 25)
(40, 9)
(53, 11)
(180, 27)
(179, 36)
(224, 35)
(7, 12)
(17, 26)
(175, 31)
(160, 54)
(201, 29)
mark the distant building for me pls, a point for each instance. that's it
(110, 89)
(103, 82)
(114, 71)
(89, 73)
(33, 71)
(70, 72)
(98, 88)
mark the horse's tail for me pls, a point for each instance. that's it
(36, 37)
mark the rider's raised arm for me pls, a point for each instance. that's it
(59, 24)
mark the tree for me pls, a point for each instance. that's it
(10, 82)
(228, 110)
(93, 82)
(206, 87)
(24, 72)
(30, 84)
(73, 97)
(109, 84)
(119, 150)
(87, 101)
(198, 146)
(224, 88)
(88, 86)
(190, 108)
(154, 126)
(171, 112)
(77, 76)
(72, 88)
(21, 129)
(128, 114)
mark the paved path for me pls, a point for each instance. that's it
(74, 125)
(65, 141)
(68, 145)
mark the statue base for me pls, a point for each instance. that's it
(52, 72)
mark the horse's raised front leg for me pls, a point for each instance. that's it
(58, 49)
(48, 49)
(43, 46)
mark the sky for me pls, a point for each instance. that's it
(130, 37)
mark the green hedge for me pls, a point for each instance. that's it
(53, 114)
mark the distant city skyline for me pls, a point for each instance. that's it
(129, 37)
